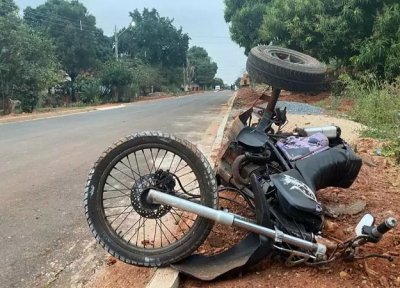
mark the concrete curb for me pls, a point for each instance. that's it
(168, 277)
(220, 134)
(164, 277)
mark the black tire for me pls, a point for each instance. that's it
(286, 69)
(103, 231)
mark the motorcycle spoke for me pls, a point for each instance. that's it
(137, 237)
(177, 223)
(136, 174)
(162, 160)
(162, 232)
(166, 227)
(118, 181)
(197, 187)
(154, 159)
(122, 236)
(130, 177)
(187, 173)
(137, 230)
(155, 232)
(126, 216)
(114, 197)
(117, 214)
(120, 206)
(130, 166)
(180, 169)
(117, 190)
(179, 163)
(182, 216)
(144, 235)
(187, 184)
(145, 159)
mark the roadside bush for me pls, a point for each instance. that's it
(116, 76)
(376, 105)
(28, 97)
(90, 91)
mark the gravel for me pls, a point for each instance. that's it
(299, 108)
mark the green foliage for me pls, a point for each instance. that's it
(116, 76)
(363, 34)
(91, 90)
(77, 49)
(7, 8)
(380, 53)
(375, 106)
(237, 82)
(28, 63)
(245, 18)
(205, 69)
(147, 76)
(154, 39)
(392, 149)
(218, 81)
(61, 36)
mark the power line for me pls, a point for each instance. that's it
(60, 22)
(35, 11)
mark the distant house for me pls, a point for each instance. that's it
(245, 81)
(195, 87)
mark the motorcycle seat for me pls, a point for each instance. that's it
(336, 167)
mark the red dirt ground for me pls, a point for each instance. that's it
(379, 185)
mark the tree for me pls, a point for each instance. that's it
(347, 33)
(237, 82)
(204, 68)
(155, 40)
(380, 53)
(80, 45)
(245, 18)
(116, 75)
(28, 63)
(218, 81)
(7, 8)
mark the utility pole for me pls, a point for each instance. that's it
(116, 42)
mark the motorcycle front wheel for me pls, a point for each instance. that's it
(117, 210)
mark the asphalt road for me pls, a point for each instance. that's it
(43, 168)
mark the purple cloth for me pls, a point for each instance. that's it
(296, 148)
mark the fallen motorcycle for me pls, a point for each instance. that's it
(151, 199)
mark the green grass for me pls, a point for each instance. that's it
(377, 106)
(378, 109)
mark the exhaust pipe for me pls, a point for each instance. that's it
(226, 218)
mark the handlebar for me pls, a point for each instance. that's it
(375, 233)
(384, 227)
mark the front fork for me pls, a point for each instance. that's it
(316, 250)
(156, 197)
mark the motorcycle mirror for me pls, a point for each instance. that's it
(366, 220)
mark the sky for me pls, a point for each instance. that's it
(202, 20)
